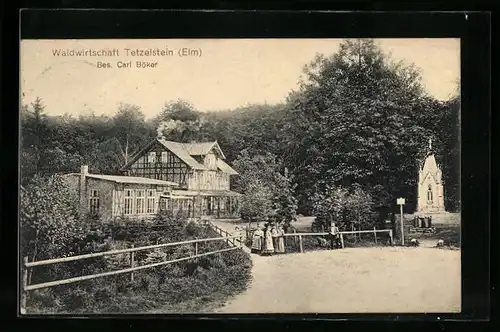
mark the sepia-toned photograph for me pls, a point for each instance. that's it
(167, 176)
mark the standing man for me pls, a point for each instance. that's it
(334, 231)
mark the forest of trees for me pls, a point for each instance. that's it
(357, 118)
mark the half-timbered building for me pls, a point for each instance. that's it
(199, 169)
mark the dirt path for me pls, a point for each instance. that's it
(385, 279)
(353, 280)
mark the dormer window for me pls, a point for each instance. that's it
(211, 161)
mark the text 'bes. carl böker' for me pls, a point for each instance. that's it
(128, 64)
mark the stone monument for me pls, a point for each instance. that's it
(430, 186)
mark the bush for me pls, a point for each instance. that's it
(236, 258)
(44, 300)
(343, 206)
(78, 299)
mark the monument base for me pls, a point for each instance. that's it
(440, 217)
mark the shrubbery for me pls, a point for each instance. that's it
(345, 207)
(195, 281)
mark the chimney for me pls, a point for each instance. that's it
(83, 190)
(159, 130)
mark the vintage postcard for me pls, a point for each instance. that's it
(240, 176)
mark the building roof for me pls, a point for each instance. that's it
(128, 179)
(186, 151)
(180, 150)
(221, 164)
(201, 149)
(205, 193)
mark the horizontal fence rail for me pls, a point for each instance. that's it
(226, 234)
(341, 235)
(343, 232)
(121, 251)
(128, 270)
(373, 231)
(306, 234)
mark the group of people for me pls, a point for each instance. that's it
(268, 240)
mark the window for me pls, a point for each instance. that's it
(139, 202)
(163, 204)
(151, 202)
(94, 202)
(429, 193)
(164, 157)
(151, 157)
(128, 201)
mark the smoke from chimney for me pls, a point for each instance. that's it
(168, 126)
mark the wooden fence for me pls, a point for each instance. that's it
(27, 265)
(231, 239)
(341, 234)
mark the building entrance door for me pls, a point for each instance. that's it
(209, 206)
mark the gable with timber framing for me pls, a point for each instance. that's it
(158, 162)
(196, 166)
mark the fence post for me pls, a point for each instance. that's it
(390, 236)
(300, 244)
(342, 240)
(24, 285)
(375, 234)
(132, 264)
(196, 251)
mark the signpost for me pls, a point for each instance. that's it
(401, 202)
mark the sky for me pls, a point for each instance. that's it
(215, 74)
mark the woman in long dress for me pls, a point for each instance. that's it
(281, 240)
(268, 242)
(257, 240)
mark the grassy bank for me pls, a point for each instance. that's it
(200, 285)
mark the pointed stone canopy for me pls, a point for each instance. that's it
(430, 163)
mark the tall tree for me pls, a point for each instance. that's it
(358, 117)
(35, 139)
(129, 129)
(449, 152)
(268, 190)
